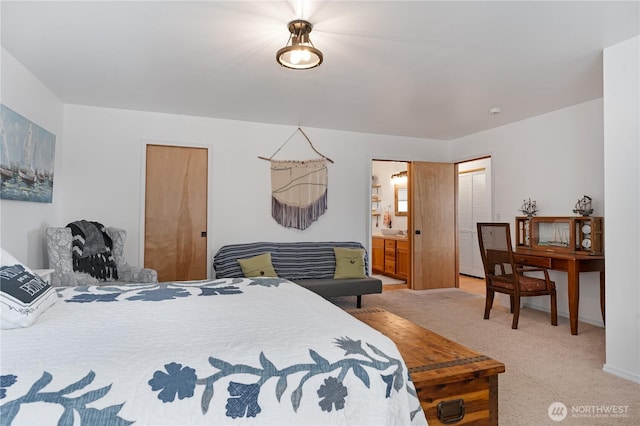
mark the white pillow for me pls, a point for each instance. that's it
(24, 296)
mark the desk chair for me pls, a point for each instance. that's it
(502, 275)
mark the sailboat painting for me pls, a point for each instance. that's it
(26, 159)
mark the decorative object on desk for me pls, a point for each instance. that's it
(26, 159)
(561, 234)
(529, 207)
(553, 234)
(585, 230)
(583, 206)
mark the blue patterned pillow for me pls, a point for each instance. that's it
(24, 296)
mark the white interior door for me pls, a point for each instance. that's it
(474, 205)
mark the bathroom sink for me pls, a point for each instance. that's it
(391, 231)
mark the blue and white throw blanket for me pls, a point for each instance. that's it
(225, 352)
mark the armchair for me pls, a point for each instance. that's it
(503, 275)
(59, 244)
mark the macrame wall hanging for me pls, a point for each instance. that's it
(298, 188)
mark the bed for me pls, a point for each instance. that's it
(226, 351)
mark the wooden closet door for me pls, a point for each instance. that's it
(175, 241)
(433, 207)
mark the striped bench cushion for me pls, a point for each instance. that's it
(293, 261)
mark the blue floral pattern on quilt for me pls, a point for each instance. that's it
(182, 381)
(62, 397)
(165, 291)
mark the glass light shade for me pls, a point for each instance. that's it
(300, 54)
(299, 57)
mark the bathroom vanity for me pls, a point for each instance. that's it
(390, 256)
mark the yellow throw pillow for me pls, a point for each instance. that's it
(349, 263)
(258, 266)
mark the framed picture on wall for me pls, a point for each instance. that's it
(26, 159)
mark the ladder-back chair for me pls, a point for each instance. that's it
(503, 275)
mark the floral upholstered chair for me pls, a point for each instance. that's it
(59, 244)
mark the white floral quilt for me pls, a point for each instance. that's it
(224, 352)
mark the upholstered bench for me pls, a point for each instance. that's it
(309, 264)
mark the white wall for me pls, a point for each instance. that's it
(555, 159)
(22, 224)
(104, 147)
(622, 191)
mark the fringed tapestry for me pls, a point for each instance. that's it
(298, 192)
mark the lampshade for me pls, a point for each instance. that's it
(299, 53)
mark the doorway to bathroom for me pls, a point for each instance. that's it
(390, 219)
(468, 198)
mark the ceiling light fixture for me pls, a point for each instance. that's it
(299, 53)
(399, 178)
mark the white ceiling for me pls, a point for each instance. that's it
(412, 68)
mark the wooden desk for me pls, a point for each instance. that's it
(572, 264)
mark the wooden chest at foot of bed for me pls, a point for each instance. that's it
(455, 384)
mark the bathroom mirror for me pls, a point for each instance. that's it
(401, 200)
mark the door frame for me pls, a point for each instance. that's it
(369, 221)
(143, 174)
(493, 216)
(489, 176)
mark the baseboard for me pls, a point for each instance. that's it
(565, 314)
(627, 375)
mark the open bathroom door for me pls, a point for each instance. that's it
(434, 224)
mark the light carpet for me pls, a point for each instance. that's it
(544, 364)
